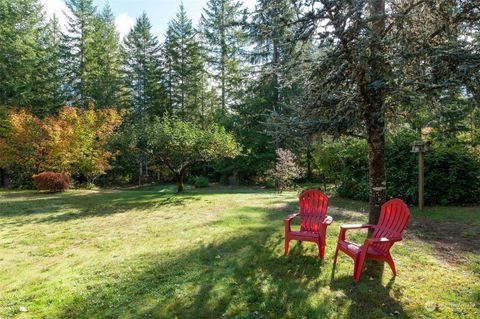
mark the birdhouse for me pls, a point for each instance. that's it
(420, 146)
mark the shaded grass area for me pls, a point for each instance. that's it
(209, 253)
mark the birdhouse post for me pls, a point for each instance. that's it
(420, 147)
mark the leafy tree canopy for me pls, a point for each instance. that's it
(179, 144)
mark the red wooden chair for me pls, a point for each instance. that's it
(394, 217)
(313, 220)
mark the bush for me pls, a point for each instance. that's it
(452, 171)
(201, 181)
(267, 183)
(51, 181)
(353, 162)
(198, 181)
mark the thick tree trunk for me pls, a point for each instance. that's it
(376, 168)
(179, 175)
(374, 111)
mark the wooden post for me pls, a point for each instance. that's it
(421, 183)
(420, 147)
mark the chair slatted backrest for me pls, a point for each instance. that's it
(313, 210)
(394, 217)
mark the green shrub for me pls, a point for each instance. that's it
(268, 183)
(452, 175)
(200, 181)
(353, 164)
(452, 171)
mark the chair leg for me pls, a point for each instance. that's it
(287, 242)
(321, 249)
(335, 257)
(358, 268)
(391, 264)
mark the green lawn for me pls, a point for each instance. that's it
(218, 253)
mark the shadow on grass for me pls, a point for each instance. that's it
(244, 276)
(451, 234)
(370, 293)
(84, 204)
(65, 207)
(451, 239)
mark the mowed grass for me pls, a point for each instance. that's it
(218, 253)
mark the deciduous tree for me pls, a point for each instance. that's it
(178, 145)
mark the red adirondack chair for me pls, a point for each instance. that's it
(394, 217)
(313, 220)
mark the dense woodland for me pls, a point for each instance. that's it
(346, 86)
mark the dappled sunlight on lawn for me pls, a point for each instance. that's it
(205, 254)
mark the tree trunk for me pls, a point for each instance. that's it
(2, 177)
(376, 169)
(309, 159)
(374, 112)
(179, 176)
(139, 171)
(276, 93)
(224, 55)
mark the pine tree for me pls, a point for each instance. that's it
(142, 71)
(271, 36)
(49, 95)
(184, 67)
(79, 51)
(220, 26)
(20, 31)
(106, 81)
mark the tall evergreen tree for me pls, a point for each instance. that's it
(271, 35)
(184, 67)
(141, 71)
(79, 50)
(20, 30)
(49, 92)
(106, 81)
(220, 26)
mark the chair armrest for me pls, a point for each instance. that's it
(289, 218)
(356, 226)
(287, 221)
(344, 228)
(328, 220)
(382, 240)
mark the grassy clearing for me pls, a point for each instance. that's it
(215, 253)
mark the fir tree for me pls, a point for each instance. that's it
(271, 36)
(184, 67)
(79, 51)
(107, 80)
(20, 30)
(141, 71)
(224, 38)
(49, 94)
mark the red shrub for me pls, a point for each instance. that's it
(51, 181)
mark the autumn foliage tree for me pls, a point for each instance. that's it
(72, 142)
(22, 145)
